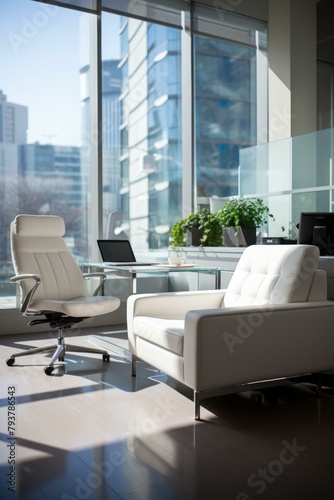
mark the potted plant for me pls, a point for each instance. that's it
(244, 213)
(201, 228)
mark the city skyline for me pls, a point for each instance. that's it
(32, 51)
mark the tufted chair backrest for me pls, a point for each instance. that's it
(273, 274)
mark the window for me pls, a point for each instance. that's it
(226, 49)
(120, 133)
(42, 166)
(142, 174)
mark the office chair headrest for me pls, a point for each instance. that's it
(39, 225)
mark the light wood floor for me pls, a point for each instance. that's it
(95, 432)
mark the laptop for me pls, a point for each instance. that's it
(119, 253)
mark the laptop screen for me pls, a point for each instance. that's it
(116, 251)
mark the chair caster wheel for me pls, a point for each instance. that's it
(48, 370)
(10, 361)
(106, 357)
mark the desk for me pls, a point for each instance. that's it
(133, 272)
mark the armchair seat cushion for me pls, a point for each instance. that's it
(166, 333)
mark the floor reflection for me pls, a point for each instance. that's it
(93, 431)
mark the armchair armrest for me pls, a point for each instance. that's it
(237, 345)
(28, 298)
(100, 275)
(173, 305)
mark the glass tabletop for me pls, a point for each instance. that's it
(152, 268)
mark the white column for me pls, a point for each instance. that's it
(292, 68)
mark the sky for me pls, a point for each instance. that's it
(42, 48)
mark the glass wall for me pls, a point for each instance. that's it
(143, 178)
(293, 175)
(123, 119)
(42, 169)
(93, 121)
(228, 52)
(150, 61)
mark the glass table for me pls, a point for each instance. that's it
(134, 272)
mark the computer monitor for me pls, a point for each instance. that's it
(317, 228)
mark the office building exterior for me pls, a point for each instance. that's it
(110, 135)
(51, 176)
(13, 134)
(226, 118)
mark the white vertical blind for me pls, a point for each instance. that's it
(166, 12)
(227, 25)
(86, 5)
(207, 20)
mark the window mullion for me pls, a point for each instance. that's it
(188, 174)
(96, 185)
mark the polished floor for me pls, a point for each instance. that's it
(92, 431)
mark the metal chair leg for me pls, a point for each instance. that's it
(197, 406)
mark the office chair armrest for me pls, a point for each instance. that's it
(22, 277)
(102, 277)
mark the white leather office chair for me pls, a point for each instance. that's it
(52, 284)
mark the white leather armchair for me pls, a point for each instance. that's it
(272, 322)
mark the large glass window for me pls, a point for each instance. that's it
(142, 175)
(226, 61)
(41, 159)
(149, 115)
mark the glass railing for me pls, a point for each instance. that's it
(292, 175)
